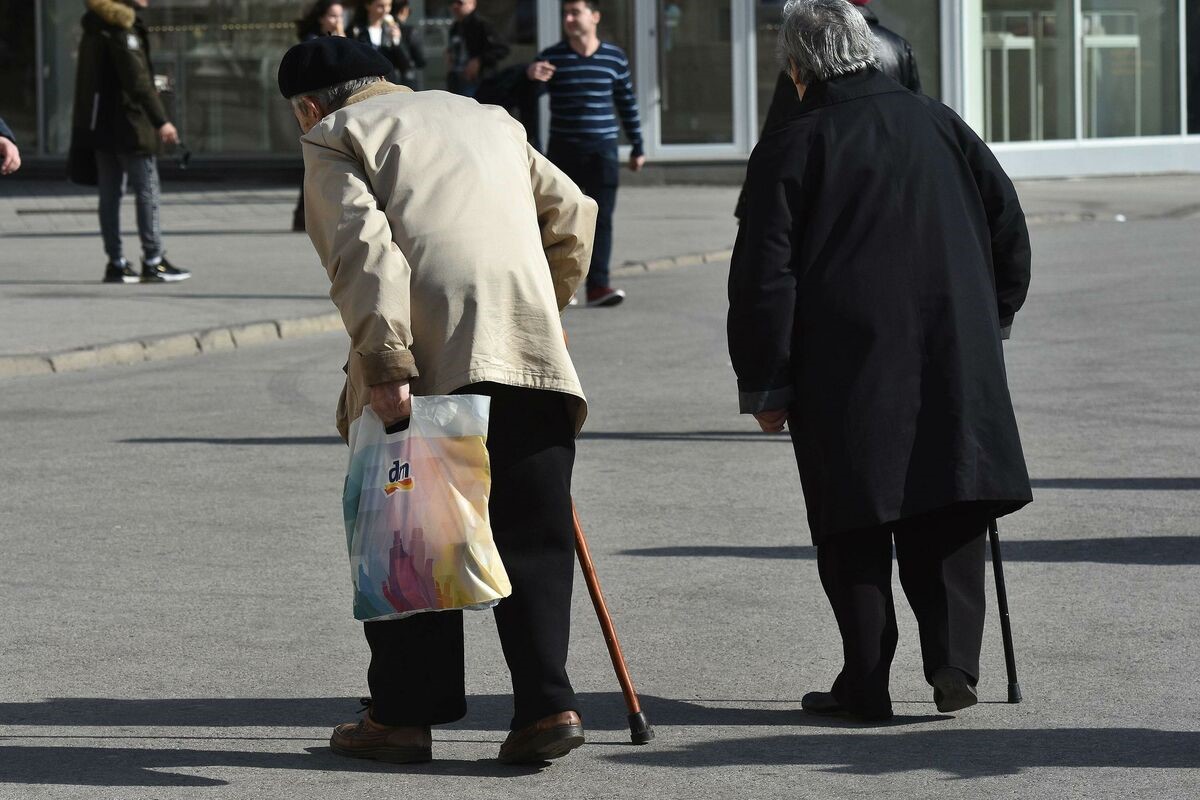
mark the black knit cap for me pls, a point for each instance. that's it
(327, 61)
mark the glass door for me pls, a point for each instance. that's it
(696, 54)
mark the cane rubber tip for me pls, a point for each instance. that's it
(1014, 692)
(640, 731)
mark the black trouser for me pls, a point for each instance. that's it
(597, 175)
(416, 674)
(941, 559)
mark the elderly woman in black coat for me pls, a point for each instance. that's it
(881, 259)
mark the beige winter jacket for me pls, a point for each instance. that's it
(451, 245)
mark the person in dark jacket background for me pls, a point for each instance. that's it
(120, 121)
(894, 57)
(10, 155)
(413, 45)
(882, 258)
(374, 24)
(474, 51)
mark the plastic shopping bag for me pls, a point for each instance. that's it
(416, 510)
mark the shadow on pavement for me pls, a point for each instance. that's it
(1120, 484)
(244, 440)
(133, 766)
(602, 711)
(684, 436)
(693, 436)
(173, 234)
(1146, 550)
(959, 753)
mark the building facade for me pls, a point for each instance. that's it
(1059, 87)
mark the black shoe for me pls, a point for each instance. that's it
(825, 704)
(119, 273)
(952, 690)
(163, 272)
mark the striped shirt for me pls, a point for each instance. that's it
(587, 92)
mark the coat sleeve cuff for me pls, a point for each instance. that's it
(770, 400)
(1006, 327)
(388, 366)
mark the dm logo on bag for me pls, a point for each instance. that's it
(399, 479)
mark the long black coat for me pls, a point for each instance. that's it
(882, 252)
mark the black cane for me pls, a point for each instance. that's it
(1010, 660)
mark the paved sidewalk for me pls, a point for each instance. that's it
(253, 280)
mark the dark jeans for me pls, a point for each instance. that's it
(941, 560)
(112, 172)
(597, 174)
(417, 671)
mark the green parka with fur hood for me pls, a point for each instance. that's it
(117, 108)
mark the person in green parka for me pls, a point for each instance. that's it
(120, 125)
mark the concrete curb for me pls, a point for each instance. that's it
(689, 260)
(234, 337)
(159, 348)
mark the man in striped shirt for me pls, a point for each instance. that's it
(589, 84)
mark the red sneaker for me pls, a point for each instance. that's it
(603, 296)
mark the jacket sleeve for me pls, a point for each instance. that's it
(1011, 254)
(6, 132)
(398, 55)
(762, 292)
(134, 73)
(567, 218)
(489, 48)
(368, 275)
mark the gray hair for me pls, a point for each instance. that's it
(332, 98)
(824, 39)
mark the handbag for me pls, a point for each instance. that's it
(415, 504)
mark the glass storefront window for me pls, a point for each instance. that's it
(695, 67)
(1130, 67)
(221, 58)
(1028, 70)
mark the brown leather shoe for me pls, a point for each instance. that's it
(549, 738)
(394, 744)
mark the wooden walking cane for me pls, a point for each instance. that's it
(640, 731)
(1010, 659)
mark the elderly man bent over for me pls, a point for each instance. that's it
(433, 306)
(882, 255)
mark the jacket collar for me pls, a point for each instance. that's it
(374, 90)
(113, 13)
(854, 86)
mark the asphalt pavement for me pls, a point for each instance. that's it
(176, 589)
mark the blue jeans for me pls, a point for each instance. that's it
(596, 174)
(113, 170)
